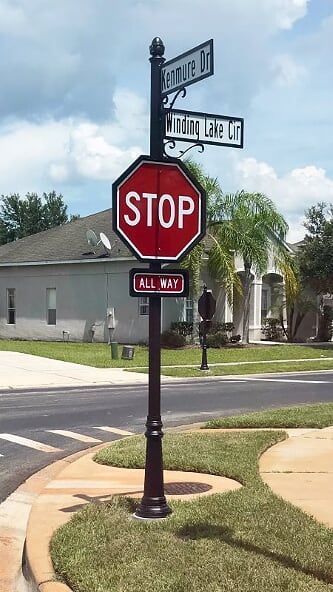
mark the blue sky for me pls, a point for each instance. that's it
(74, 100)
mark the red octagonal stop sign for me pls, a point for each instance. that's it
(159, 209)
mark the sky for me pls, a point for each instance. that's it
(74, 94)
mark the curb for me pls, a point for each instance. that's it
(52, 470)
(14, 516)
(165, 380)
(38, 563)
(50, 511)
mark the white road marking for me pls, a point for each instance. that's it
(29, 443)
(74, 435)
(291, 380)
(231, 380)
(114, 430)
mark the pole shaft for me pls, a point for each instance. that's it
(153, 503)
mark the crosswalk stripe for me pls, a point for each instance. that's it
(29, 443)
(74, 435)
(114, 430)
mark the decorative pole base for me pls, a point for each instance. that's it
(153, 503)
(151, 508)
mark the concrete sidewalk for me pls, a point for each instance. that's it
(300, 469)
(19, 370)
(83, 481)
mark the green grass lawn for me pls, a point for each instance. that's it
(256, 368)
(98, 355)
(305, 416)
(243, 541)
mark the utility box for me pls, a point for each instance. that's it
(128, 352)
(111, 318)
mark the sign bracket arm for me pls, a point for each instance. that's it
(172, 145)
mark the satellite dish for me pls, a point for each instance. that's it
(105, 241)
(92, 238)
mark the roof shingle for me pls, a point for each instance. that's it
(65, 243)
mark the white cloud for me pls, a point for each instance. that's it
(296, 229)
(12, 18)
(287, 71)
(293, 192)
(92, 156)
(35, 155)
(287, 12)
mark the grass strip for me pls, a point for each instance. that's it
(99, 356)
(304, 416)
(239, 369)
(243, 541)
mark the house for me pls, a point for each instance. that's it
(54, 286)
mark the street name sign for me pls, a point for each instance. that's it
(158, 209)
(204, 128)
(187, 68)
(173, 282)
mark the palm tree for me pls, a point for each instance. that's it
(220, 258)
(251, 226)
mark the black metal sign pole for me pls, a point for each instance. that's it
(153, 503)
(204, 365)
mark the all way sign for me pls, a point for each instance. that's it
(205, 128)
(174, 282)
(187, 68)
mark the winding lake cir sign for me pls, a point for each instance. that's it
(173, 282)
(205, 128)
(187, 68)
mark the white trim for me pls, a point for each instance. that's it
(30, 263)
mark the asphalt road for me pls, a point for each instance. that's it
(27, 416)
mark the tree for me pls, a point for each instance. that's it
(251, 226)
(315, 255)
(220, 257)
(315, 258)
(293, 298)
(22, 217)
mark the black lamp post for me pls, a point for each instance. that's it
(153, 503)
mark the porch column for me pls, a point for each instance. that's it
(228, 310)
(255, 309)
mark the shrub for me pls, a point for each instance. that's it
(272, 329)
(182, 328)
(228, 327)
(217, 327)
(172, 340)
(218, 339)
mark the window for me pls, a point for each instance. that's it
(51, 306)
(189, 309)
(11, 310)
(144, 305)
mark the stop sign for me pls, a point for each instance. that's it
(158, 209)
